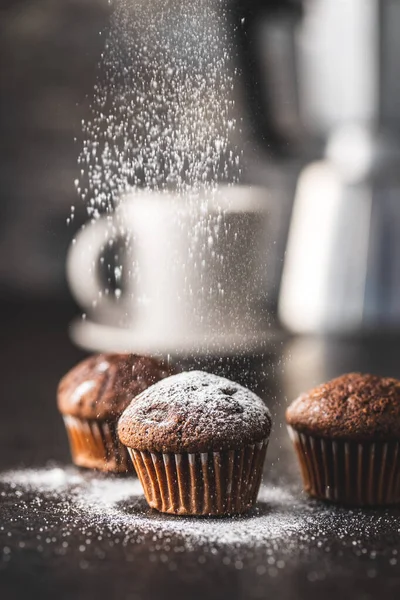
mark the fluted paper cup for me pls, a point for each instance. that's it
(95, 445)
(207, 483)
(353, 473)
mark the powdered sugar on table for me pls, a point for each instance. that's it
(116, 504)
(67, 512)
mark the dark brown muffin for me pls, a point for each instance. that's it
(346, 433)
(198, 443)
(91, 398)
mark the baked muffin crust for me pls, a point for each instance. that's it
(354, 407)
(194, 412)
(103, 385)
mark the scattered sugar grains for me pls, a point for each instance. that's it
(113, 505)
(59, 506)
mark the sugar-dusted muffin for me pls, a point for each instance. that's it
(198, 444)
(346, 434)
(92, 397)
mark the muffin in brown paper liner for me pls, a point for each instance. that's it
(95, 445)
(91, 398)
(346, 434)
(357, 474)
(198, 444)
(204, 483)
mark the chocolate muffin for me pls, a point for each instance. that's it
(92, 397)
(198, 443)
(346, 434)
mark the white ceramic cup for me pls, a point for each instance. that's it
(196, 269)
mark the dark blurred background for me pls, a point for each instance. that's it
(48, 57)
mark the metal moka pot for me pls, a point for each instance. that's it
(342, 265)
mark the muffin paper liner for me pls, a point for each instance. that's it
(206, 483)
(355, 473)
(95, 445)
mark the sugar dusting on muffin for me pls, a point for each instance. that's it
(104, 384)
(198, 444)
(92, 396)
(194, 412)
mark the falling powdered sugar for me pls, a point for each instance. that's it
(164, 121)
(163, 114)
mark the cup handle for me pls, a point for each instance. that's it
(82, 257)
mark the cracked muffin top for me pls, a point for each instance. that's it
(194, 412)
(103, 385)
(354, 406)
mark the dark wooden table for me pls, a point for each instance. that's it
(340, 553)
